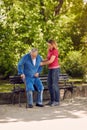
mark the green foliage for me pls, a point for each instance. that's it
(31, 23)
(73, 64)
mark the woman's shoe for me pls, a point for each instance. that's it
(54, 104)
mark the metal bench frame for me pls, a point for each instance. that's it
(63, 82)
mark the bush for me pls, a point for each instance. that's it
(6, 72)
(73, 65)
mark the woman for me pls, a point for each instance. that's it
(53, 72)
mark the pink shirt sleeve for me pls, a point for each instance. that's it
(55, 53)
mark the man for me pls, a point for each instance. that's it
(29, 68)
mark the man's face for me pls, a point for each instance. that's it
(34, 54)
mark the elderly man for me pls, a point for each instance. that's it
(29, 68)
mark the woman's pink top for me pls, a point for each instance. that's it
(54, 64)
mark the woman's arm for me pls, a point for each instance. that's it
(48, 61)
(44, 60)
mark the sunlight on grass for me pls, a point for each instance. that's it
(5, 86)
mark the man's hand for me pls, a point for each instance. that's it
(36, 75)
(22, 76)
(41, 63)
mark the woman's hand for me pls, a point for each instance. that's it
(48, 61)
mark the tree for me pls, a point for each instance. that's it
(26, 24)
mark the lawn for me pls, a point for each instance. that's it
(5, 86)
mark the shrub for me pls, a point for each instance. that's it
(73, 65)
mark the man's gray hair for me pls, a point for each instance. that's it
(34, 50)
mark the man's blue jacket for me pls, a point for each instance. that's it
(26, 67)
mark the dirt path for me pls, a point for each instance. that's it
(70, 115)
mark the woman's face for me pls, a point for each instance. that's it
(50, 46)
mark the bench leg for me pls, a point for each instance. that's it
(13, 98)
(64, 94)
(26, 99)
(66, 90)
(19, 100)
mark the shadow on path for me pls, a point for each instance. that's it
(76, 108)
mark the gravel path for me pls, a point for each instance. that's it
(70, 115)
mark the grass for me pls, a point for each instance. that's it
(5, 86)
(79, 80)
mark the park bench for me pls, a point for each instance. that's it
(64, 84)
(16, 81)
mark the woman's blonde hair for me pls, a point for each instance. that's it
(53, 43)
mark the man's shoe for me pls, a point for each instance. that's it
(39, 105)
(30, 106)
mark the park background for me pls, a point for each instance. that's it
(25, 24)
(31, 23)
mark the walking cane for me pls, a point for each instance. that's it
(25, 89)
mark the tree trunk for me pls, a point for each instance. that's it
(58, 7)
